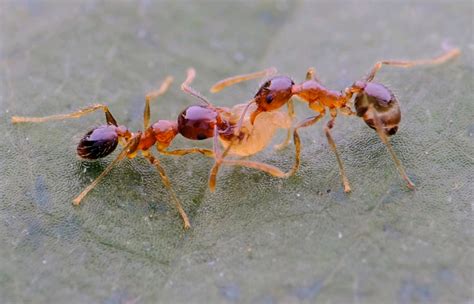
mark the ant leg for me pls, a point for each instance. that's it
(129, 149)
(296, 138)
(332, 144)
(218, 158)
(240, 122)
(191, 74)
(182, 152)
(164, 178)
(108, 116)
(153, 95)
(410, 63)
(291, 114)
(386, 141)
(272, 170)
(239, 78)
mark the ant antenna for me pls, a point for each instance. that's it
(191, 73)
(153, 95)
(410, 63)
(239, 78)
(242, 116)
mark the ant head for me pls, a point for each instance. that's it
(98, 142)
(199, 121)
(273, 94)
(164, 132)
(375, 99)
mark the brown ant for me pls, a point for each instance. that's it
(373, 102)
(196, 122)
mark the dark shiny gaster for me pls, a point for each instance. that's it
(98, 142)
(377, 99)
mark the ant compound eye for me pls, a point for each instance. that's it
(98, 142)
(269, 98)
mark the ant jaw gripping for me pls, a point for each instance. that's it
(254, 115)
(98, 142)
(374, 99)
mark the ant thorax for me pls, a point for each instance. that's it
(314, 92)
(254, 138)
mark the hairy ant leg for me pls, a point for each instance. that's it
(218, 158)
(272, 170)
(332, 144)
(79, 113)
(127, 150)
(164, 178)
(296, 138)
(383, 136)
(411, 63)
(291, 114)
(182, 152)
(221, 161)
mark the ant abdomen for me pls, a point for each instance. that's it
(98, 143)
(377, 101)
(197, 122)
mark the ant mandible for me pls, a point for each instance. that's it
(196, 122)
(373, 102)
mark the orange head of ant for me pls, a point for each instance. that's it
(199, 121)
(99, 142)
(272, 95)
(374, 100)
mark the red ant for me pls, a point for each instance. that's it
(373, 102)
(196, 122)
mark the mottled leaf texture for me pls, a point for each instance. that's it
(257, 239)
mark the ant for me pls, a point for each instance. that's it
(373, 102)
(196, 122)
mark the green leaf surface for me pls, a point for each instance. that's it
(257, 239)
